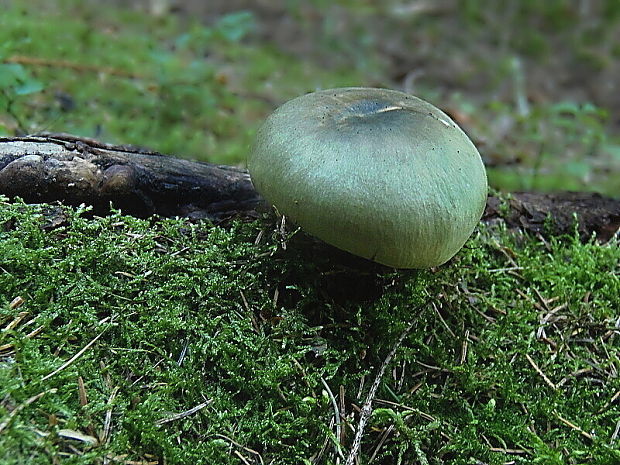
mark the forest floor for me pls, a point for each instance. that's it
(165, 341)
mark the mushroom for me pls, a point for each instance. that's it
(376, 172)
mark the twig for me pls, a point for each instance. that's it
(509, 451)
(235, 443)
(540, 333)
(243, 459)
(419, 412)
(78, 355)
(21, 407)
(318, 456)
(503, 270)
(282, 232)
(34, 332)
(540, 372)
(574, 374)
(183, 353)
(464, 348)
(14, 323)
(337, 419)
(82, 392)
(8, 346)
(16, 302)
(121, 459)
(574, 426)
(367, 407)
(401, 380)
(343, 415)
(105, 435)
(610, 401)
(78, 436)
(382, 440)
(35, 61)
(17, 320)
(614, 436)
(442, 320)
(184, 414)
(361, 386)
(433, 367)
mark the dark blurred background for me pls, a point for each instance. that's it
(534, 84)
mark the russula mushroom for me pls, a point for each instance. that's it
(376, 172)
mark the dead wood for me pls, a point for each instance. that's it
(141, 183)
(73, 170)
(558, 213)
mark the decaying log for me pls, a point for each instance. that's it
(558, 213)
(74, 170)
(142, 183)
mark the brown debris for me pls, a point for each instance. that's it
(558, 213)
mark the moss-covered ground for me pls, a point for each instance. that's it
(162, 341)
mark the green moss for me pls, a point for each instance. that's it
(185, 315)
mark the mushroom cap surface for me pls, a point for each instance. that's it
(376, 172)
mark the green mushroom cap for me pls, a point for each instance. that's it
(378, 173)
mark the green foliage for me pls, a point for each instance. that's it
(125, 77)
(528, 69)
(176, 315)
(531, 28)
(15, 83)
(199, 87)
(588, 151)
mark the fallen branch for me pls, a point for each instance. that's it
(141, 183)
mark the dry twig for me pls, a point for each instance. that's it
(235, 443)
(574, 426)
(21, 407)
(337, 419)
(80, 67)
(367, 407)
(540, 372)
(179, 416)
(105, 434)
(78, 355)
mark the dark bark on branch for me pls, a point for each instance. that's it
(141, 183)
(74, 170)
(558, 213)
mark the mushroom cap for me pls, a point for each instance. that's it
(376, 172)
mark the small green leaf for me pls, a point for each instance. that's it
(235, 26)
(31, 86)
(11, 74)
(16, 79)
